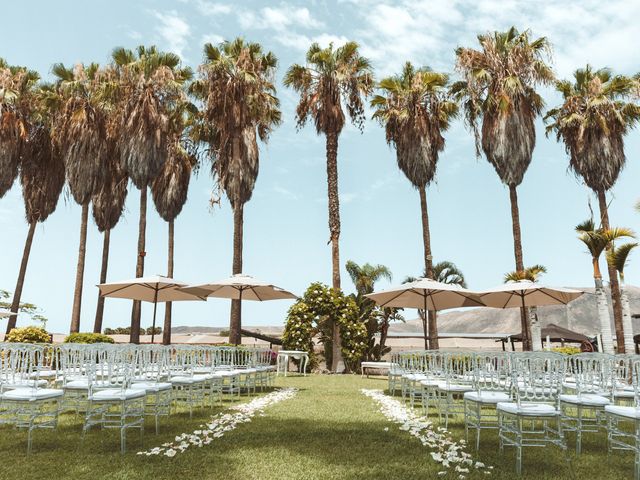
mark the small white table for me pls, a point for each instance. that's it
(283, 360)
(374, 366)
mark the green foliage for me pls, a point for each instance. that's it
(312, 314)
(88, 338)
(27, 308)
(567, 350)
(224, 333)
(127, 331)
(28, 335)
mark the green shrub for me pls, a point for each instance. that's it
(567, 350)
(88, 338)
(223, 333)
(29, 335)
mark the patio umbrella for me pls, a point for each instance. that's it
(240, 287)
(6, 313)
(525, 293)
(426, 294)
(149, 289)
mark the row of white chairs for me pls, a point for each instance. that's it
(531, 398)
(116, 386)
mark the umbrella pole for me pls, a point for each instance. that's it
(426, 319)
(240, 315)
(155, 306)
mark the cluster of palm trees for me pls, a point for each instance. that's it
(146, 118)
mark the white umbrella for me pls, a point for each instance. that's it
(149, 289)
(6, 313)
(426, 294)
(525, 293)
(241, 287)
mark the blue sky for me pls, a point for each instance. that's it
(286, 229)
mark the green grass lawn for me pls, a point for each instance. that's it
(328, 431)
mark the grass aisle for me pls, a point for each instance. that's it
(329, 430)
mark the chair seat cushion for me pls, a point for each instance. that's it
(627, 412)
(116, 394)
(183, 380)
(528, 409)
(25, 384)
(32, 394)
(429, 383)
(587, 399)
(624, 394)
(151, 386)
(489, 397)
(454, 387)
(84, 385)
(415, 377)
(44, 374)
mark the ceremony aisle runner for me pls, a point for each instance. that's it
(444, 449)
(222, 423)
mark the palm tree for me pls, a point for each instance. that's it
(332, 81)
(597, 240)
(80, 135)
(592, 122)
(150, 85)
(365, 276)
(531, 274)
(108, 206)
(42, 177)
(237, 89)
(17, 86)
(169, 191)
(415, 110)
(499, 89)
(443, 272)
(618, 257)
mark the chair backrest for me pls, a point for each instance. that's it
(537, 377)
(590, 373)
(491, 371)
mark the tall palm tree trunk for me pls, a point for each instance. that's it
(629, 344)
(97, 324)
(235, 321)
(613, 278)
(517, 250)
(17, 293)
(134, 336)
(82, 250)
(166, 330)
(428, 268)
(603, 316)
(337, 363)
(536, 332)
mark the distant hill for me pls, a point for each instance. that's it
(199, 330)
(580, 316)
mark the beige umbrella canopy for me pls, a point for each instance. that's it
(149, 289)
(240, 287)
(525, 293)
(6, 313)
(426, 294)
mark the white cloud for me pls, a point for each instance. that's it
(213, 8)
(279, 19)
(134, 34)
(174, 30)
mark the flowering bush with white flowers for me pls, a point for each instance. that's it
(315, 312)
(222, 423)
(444, 450)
